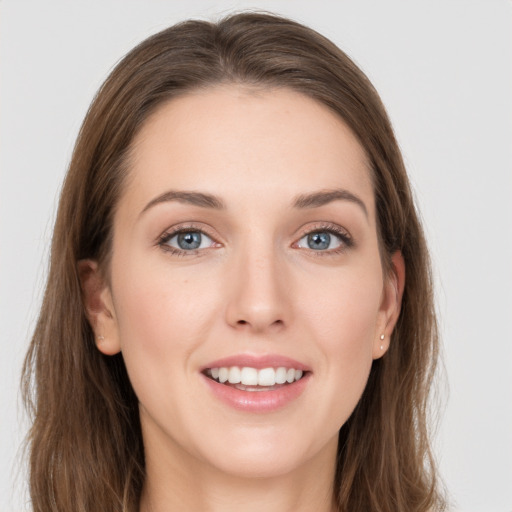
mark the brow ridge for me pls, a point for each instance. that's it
(302, 201)
(188, 197)
(323, 197)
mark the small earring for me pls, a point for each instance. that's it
(382, 338)
(101, 338)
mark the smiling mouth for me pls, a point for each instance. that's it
(253, 379)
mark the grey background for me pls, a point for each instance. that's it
(444, 71)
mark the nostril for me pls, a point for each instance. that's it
(275, 323)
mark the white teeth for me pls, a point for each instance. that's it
(266, 377)
(281, 375)
(223, 374)
(247, 376)
(234, 375)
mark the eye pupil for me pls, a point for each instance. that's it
(189, 240)
(319, 241)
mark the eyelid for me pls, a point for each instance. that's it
(171, 232)
(341, 233)
(312, 227)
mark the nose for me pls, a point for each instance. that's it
(258, 299)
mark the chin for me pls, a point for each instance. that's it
(260, 463)
(268, 454)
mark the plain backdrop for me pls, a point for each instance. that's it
(444, 71)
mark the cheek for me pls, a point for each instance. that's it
(163, 316)
(159, 317)
(345, 313)
(343, 321)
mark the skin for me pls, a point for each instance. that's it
(255, 286)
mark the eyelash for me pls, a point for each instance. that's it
(163, 239)
(346, 240)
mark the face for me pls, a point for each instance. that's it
(245, 248)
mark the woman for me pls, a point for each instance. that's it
(239, 306)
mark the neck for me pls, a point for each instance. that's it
(184, 483)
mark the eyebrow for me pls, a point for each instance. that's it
(194, 198)
(303, 201)
(323, 197)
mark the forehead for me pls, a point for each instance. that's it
(238, 140)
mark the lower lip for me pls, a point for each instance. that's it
(258, 401)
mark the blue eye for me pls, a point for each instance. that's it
(188, 240)
(321, 241)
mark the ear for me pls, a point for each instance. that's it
(391, 304)
(99, 307)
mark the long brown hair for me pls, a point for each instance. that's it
(86, 449)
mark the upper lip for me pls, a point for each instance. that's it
(257, 361)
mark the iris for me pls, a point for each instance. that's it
(319, 241)
(189, 240)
